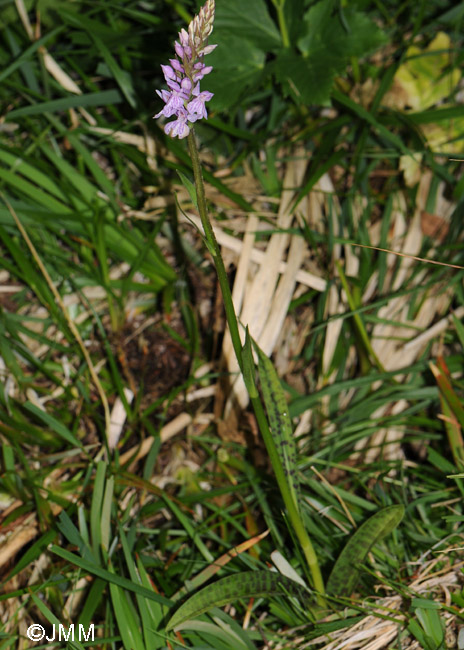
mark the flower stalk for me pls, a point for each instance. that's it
(213, 247)
(186, 102)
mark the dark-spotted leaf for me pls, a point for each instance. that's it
(248, 584)
(280, 423)
(346, 571)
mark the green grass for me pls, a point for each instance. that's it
(108, 295)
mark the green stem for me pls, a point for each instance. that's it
(293, 514)
(213, 247)
(282, 24)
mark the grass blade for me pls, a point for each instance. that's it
(113, 578)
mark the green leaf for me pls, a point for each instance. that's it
(105, 521)
(28, 53)
(248, 584)
(249, 366)
(363, 37)
(102, 98)
(378, 128)
(429, 633)
(55, 425)
(346, 571)
(327, 43)
(128, 623)
(279, 421)
(247, 19)
(189, 186)
(432, 625)
(330, 39)
(292, 14)
(98, 571)
(238, 64)
(122, 77)
(459, 329)
(96, 506)
(306, 81)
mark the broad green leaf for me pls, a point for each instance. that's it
(317, 22)
(247, 19)
(279, 421)
(238, 64)
(248, 584)
(346, 571)
(361, 35)
(293, 11)
(329, 37)
(453, 16)
(332, 36)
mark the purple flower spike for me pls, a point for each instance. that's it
(184, 99)
(179, 127)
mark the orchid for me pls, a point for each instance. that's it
(184, 99)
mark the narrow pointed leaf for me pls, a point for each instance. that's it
(249, 366)
(279, 421)
(346, 571)
(248, 584)
(189, 186)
